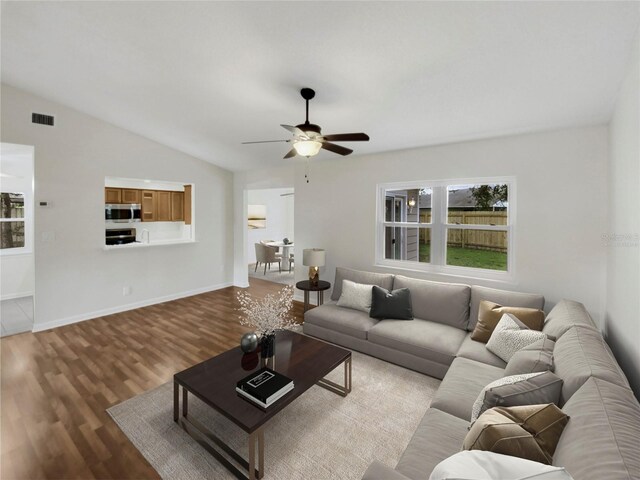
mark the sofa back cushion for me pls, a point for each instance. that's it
(582, 353)
(565, 315)
(446, 303)
(502, 297)
(601, 439)
(384, 280)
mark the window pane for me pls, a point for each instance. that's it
(12, 234)
(477, 248)
(412, 244)
(477, 204)
(408, 205)
(11, 205)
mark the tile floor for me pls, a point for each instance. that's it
(16, 316)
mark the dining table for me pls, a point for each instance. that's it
(286, 250)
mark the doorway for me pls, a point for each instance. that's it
(270, 241)
(17, 261)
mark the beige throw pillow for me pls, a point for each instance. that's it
(530, 432)
(356, 296)
(510, 335)
(490, 314)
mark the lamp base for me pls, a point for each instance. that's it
(314, 276)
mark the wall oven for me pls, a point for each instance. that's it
(123, 212)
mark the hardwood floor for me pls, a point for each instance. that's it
(56, 385)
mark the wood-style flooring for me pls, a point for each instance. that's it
(56, 385)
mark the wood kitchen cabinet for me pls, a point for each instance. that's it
(177, 206)
(112, 195)
(149, 208)
(187, 204)
(163, 206)
(131, 195)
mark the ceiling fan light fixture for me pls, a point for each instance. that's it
(307, 148)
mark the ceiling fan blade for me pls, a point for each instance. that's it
(332, 147)
(265, 141)
(291, 153)
(295, 130)
(347, 137)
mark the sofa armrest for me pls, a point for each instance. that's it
(379, 471)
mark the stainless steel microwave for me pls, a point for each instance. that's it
(123, 212)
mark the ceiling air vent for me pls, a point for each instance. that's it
(42, 119)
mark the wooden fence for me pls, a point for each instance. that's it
(475, 239)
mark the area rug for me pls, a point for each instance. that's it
(320, 435)
(273, 275)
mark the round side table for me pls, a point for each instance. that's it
(306, 286)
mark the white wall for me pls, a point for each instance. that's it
(622, 320)
(561, 213)
(279, 217)
(17, 277)
(75, 278)
(267, 178)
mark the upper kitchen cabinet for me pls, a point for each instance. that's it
(112, 195)
(149, 208)
(163, 206)
(177, 206)
(131, 195)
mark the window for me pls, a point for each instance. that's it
(457, 227)
(12, 220)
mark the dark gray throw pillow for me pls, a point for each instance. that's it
(395, 305)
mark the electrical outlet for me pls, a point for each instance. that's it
(48, 237)
(126, 290)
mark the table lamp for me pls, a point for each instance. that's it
(314, 259)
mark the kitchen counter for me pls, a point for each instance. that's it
(156, 243)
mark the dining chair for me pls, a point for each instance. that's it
(266, 255)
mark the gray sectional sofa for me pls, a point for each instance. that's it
(602, 438)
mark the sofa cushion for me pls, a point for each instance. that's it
(580, 353)
(380, 471)
(395, 305)
(344, 320)
(511, 335)
(528, 431)
(439, 302)
(502, 297)
(477, 351)
(525, 389)
(384, 280)
(438, 436)
(490, 314)
(537, 357)
(422, 338)
(601, 440)
(461, 386)
(565, 315)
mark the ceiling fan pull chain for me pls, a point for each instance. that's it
(306, 170)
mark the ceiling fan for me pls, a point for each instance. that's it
(308, 139)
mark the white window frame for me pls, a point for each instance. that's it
(439, 229)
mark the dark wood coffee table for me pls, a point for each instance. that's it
(303, 359)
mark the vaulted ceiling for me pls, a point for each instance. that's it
(202, 77)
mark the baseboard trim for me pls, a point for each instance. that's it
(13, 296)
(124, 308)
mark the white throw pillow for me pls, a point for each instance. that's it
(481, 465)
(356, 295)
(510, 335)
(477, 410)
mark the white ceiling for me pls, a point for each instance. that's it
(202, 77)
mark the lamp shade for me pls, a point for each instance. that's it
(307, 148)
(313, 257)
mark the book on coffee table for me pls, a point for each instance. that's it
(264, 386)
